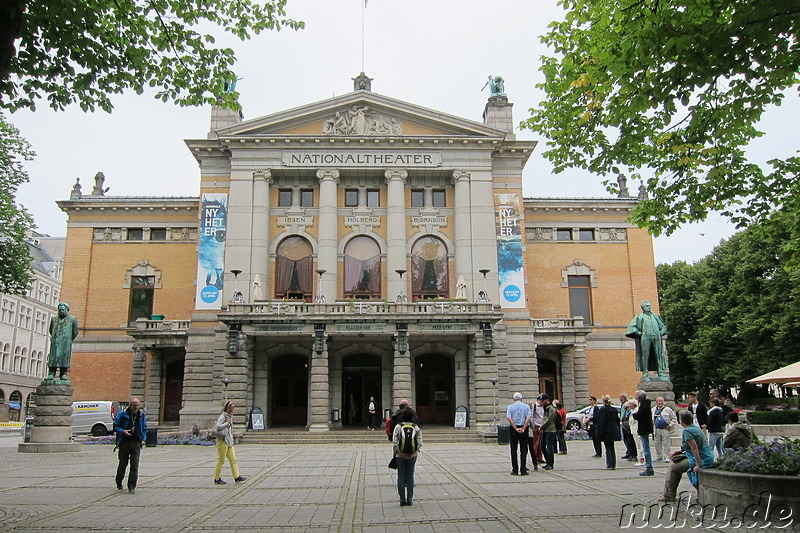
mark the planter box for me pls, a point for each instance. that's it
(782, 430)
(750, 500)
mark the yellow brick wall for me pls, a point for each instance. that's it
(101, 376)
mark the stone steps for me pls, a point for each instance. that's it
(349, 436)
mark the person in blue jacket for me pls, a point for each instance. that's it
(130, 426)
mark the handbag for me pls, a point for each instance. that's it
(393, 463)
(678, 456)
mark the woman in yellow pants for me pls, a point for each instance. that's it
(224, 430)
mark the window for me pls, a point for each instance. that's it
(294, 269)
(564, 234)
(438, 198)
(362, 269)
(429, 269)
(580, 297)
(158, 234)
(135, 234)
(285, 198)
(417, 198)
(351, 198)
(306, 198)
(141, 305)
(586, 234)
(373, 198)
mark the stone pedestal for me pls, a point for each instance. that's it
(52, 423)
(654, 389)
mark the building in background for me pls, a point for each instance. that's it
(24, 323)
(351, 248)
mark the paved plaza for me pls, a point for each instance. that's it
(320, 488)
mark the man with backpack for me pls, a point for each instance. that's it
(393, 420)
(549, 432)
(406, 440)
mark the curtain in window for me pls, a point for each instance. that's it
(429, 267)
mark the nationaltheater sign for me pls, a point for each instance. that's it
(361, 158)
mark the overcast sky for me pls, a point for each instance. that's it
(434, 54)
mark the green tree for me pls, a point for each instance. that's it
(81, 51)
(734, 314)
(671, 91)
(14, 220)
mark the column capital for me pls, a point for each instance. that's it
(264, 174)
(460, 175)
(328, 174)
(396, 174)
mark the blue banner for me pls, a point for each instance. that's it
(510, 272)
(211, 251)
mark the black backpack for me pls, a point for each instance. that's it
(408, 444)
(557, 420)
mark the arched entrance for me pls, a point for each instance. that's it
(434, 389)
(290, 390)
(361, 375)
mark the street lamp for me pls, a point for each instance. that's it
(320, 299)
(401, 298)
(238, 297)
(483, 296)
(494, 402)
(225, 382)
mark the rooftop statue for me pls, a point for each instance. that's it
(496, 86)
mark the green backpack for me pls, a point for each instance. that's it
(408, 443)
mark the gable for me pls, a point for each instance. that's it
(358, 114)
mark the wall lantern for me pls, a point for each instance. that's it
(488, 343)
(402, 337)
(233, 338)
(319, 338)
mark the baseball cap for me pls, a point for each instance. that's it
(544, 397)
(517, 396)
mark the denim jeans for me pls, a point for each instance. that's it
(715, 441)
(549, 447)
(405, 478)
(562, 442)
(648, 460)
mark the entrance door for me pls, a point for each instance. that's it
(434, 389)
(290, 390)
(362, 380)
(548, 378)
(173, 390)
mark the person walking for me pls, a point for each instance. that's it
(607, 425)
(644, 416)
(664, 419)
(696, 455)
(561, 439)
(548, 432)
(372, 413)
(224, 428)
(131, 427)
(519, 418)
(716, 426)
(406, 442)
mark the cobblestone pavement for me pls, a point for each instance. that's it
(318, 488)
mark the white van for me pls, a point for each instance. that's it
(96, 418)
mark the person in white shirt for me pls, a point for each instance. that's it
(664, 420)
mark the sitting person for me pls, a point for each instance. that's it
(696, 453)
(739, 434)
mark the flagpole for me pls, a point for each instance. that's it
(363, 9)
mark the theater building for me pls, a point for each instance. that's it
(351, 248)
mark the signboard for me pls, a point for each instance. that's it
(258, 420)
(360, 327)
(449, 326)
(361, 158)
(424, 220)
(356, 220)
(211, 251)
(461, 417)
(300, 220)
(510, 273)
(278, 327)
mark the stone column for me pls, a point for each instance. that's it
(151, 402)
(238, 370)
(138, 377)
(319, 394)
(327, 257)
(239, 232)
(401, 383)
(581, 373)
(485, 405)
(52, 428)
(395, 231)
(567, 380)
(260, 244)
(463, 233)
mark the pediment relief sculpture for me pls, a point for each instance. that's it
(360, 120)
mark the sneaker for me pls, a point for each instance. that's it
(595, 456)
(239, 479)
(514, 473)
(633, 459)
(132, 491)
(547, 467)
(119, 486)
(667, 461)
(647, 473)
(523, 473)
(409, 502)
(403, 503)
(219, 482)
(641, 464)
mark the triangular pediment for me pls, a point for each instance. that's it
(361, 113)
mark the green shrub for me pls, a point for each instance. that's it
(791, 416)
